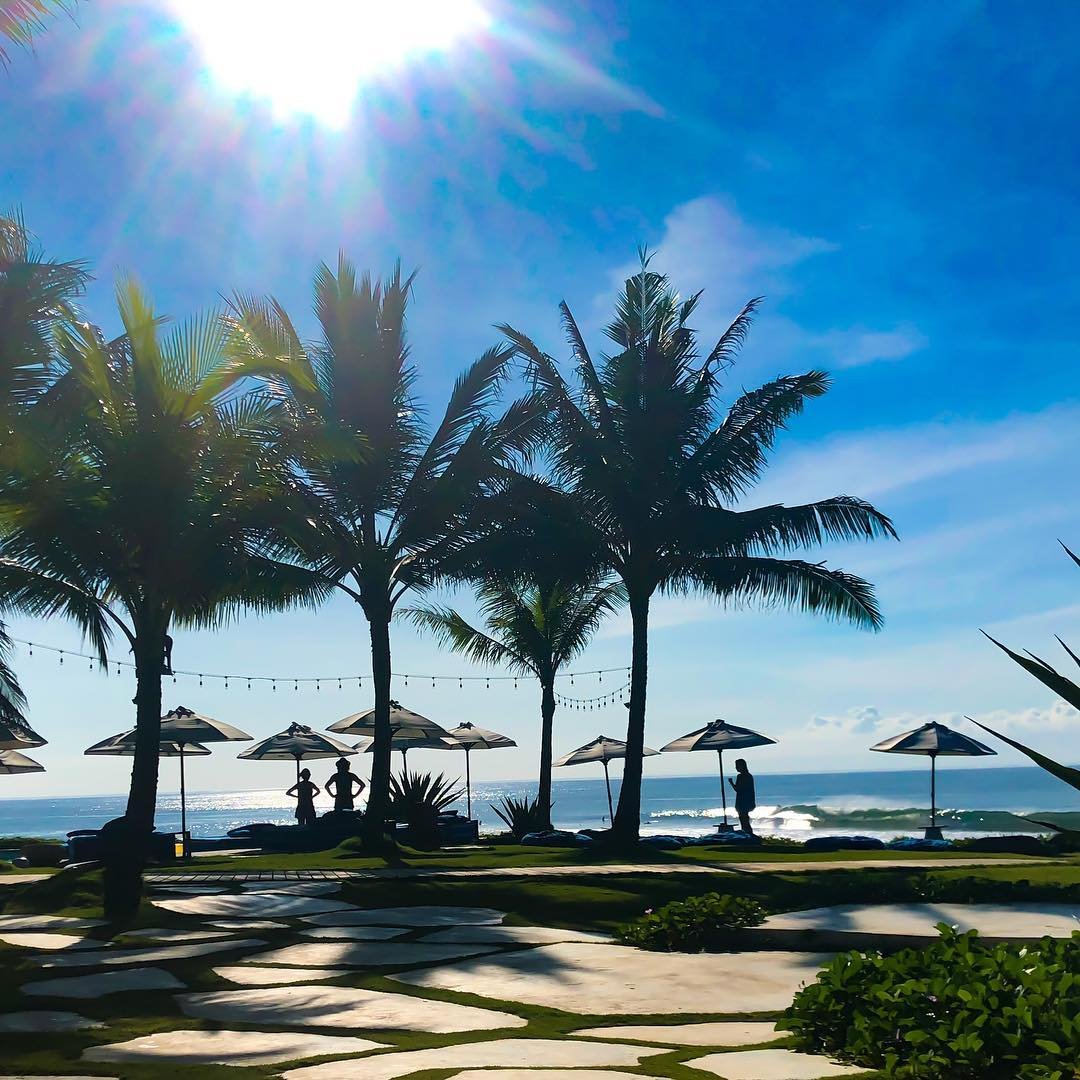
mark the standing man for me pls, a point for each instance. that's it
(744, 795)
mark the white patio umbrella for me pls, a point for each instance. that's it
(123, 745)
(718, 736)
(186, 728)
(403, 722)
(471, 737)
(934, 740)
(11, 762)
(406, 741)
(602, 749)
(297, 743)
(16, 736)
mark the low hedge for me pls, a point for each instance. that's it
(700, 924)
(958, 1008)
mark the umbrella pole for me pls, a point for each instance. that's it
(610, 808)
(723, 790)
(298, 768)
(183, 805)
(468, 783)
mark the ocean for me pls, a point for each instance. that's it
(972, 801)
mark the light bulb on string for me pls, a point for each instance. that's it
(61, 656)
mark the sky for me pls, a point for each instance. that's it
(898, 181)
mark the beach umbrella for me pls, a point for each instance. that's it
(403, 722)
(186, 728)
(15, 736)
(471, 737)
(11, 762)
(718, 736)
(123, 745)
(297, 743)
(407, 740)
(934, 740)
(601, 749)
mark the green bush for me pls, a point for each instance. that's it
(959, 1008)
(699, 924)
(522, 816)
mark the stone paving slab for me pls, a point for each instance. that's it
(51, 942)
(773, 1065)
(248, 924)
(227, 1047)
(513, 935)
(355, 933)
(589, 978)
(418, 916)
(367, 953)
(251, 975)
(539, 1053)
(174, 933)
(40, 1021)
(1021, 921)
(46, 922)
(343, 1007)
(105, 982)
(249, 905)
(160, 954)
(721, 1033)
(545, 1074)
(191, 890)
(293, 888)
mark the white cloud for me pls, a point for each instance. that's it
(707, 243)
(871, 463)
(858, 346)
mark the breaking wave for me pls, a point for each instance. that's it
(812, 817)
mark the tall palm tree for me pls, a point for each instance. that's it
(20, 20)
(654, 466)
(37, 295)
(149, 481)
(533, 628)
(390, 501)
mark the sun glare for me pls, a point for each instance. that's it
(313, 56)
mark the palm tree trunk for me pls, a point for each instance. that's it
(547, 717)
(624, 829)
(379, 792)
(125, 842)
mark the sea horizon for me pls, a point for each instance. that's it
(880, 803)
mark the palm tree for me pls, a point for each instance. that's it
(533, 628)
(390, 502)
(37, 295)
(148, 480)
(20, 20)
(642, 451)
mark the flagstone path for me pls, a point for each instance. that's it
(1016, 921)
(722, 1033)
(227, 1047)
(595, 979)
(344, 1007)
(320, 983)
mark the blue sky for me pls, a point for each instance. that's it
(899, 181)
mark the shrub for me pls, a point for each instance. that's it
(522, 816)
(959, 1008)
(417, 799)
(699, 924)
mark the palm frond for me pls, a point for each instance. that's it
(1070, 775)
(1061, 685)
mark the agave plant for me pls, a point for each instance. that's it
(523, 816)
(1063, 686)
(417, 799)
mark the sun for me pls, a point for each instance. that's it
(311, 57)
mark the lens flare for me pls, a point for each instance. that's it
(314, 57)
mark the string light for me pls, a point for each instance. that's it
(317, 680)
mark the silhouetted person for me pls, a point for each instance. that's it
(744, 795)
(305, 792)
(340, 785)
